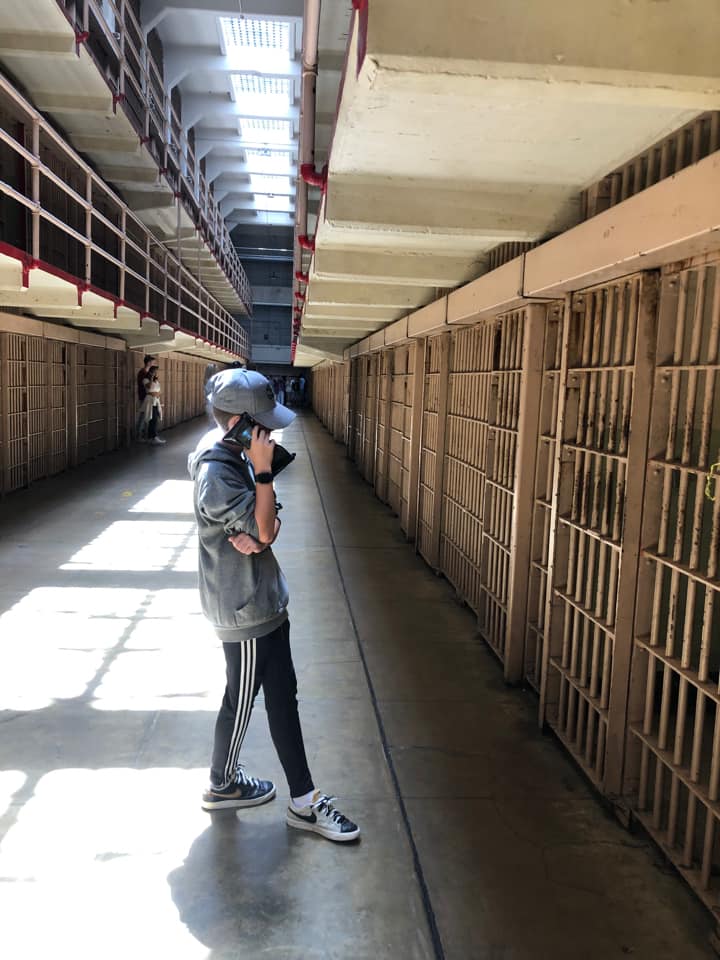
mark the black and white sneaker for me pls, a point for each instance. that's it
(321, 817)
(243, 792)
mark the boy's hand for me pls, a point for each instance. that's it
(261, 449)
(246, 544)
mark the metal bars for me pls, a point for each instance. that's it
(78, 226)
(672, 775)
(691, 143)
(64, 403)
(621, 632)
(114, 38)
(469, 404)
(591, 475)
(502, 435)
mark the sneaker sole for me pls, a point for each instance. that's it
(328, 834)
(236, 803)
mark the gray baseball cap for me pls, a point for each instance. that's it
(247, 391)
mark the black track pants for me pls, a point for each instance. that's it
(262, 662)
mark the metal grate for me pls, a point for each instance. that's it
(258, 130)
(266, 95)
(465, 464)
(591, 492)
(502, 430)
(673, 769)
(247, 33)
(63, 403)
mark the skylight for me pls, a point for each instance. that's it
(270, 185)
(271, 202)
(264, 96)
(245, 33)
(265, 131)
(268, 161)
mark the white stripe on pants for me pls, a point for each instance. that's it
(244, 707)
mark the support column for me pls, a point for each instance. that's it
(4, 408)
(561, 495)
(643, 382)
(524, 487)
(440, 447)
(418, 400)
(71, 373)
(382, 489)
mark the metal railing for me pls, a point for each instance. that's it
(136, 82)
(103, 245)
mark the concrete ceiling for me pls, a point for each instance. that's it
(203, 71)
(478, 124)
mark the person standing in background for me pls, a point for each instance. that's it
(140, 424)
(152, 408)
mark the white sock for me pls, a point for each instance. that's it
(303, 801)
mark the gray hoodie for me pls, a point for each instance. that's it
(242, 596)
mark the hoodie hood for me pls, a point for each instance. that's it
(211, 447)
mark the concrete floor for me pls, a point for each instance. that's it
(110, 680)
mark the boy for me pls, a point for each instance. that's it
(245, 597)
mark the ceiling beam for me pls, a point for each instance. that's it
(181, 60)
(198, 106)
(224, 186)
(264, 218)
(218, 166)
(249, 201)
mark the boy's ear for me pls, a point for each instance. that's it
(233, 420)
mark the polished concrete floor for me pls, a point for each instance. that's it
(481, 841)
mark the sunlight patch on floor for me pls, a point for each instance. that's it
(90, 857)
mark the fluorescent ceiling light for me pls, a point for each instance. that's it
(247, 33)
(265, 96)
(255, 130)
(269, 161)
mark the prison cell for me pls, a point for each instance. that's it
(598, 472)
(672, 774)
(597, 418)
(62, 402)
(465, 463)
